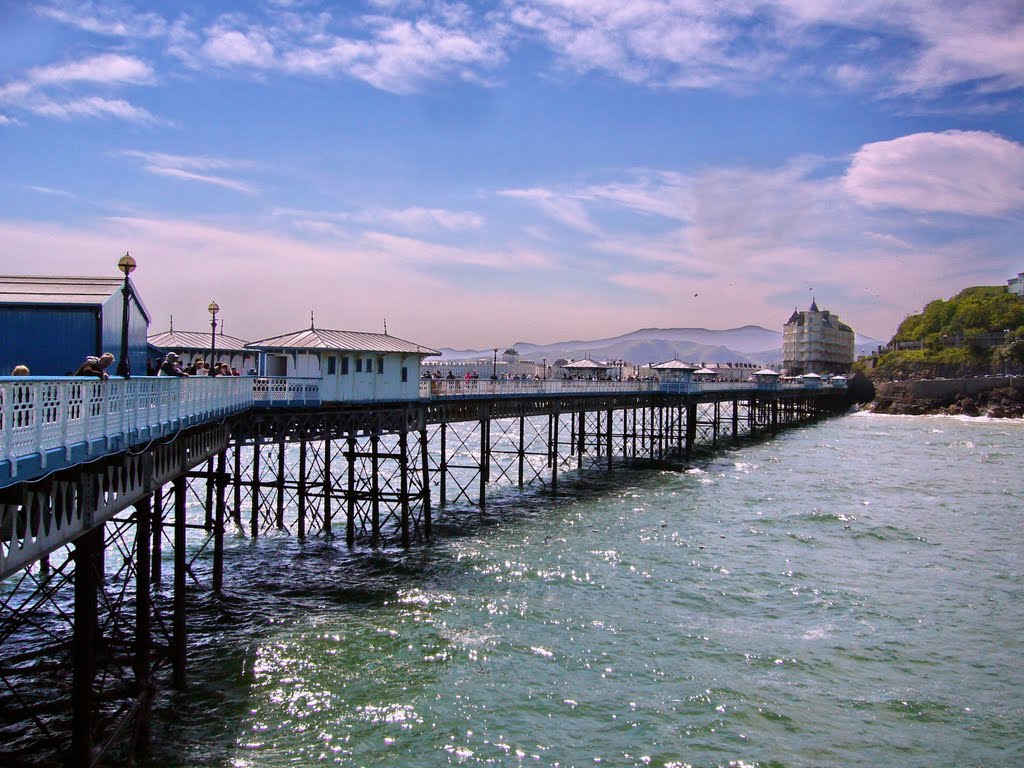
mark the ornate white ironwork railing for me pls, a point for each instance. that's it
(448, 388)
(445, 388)
(280, 390)
(40, 415)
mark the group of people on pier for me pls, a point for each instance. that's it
(172, 366)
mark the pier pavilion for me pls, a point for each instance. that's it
(116, 498)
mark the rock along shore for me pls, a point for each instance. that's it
(994, 396)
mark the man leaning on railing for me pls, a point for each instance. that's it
(96, 366)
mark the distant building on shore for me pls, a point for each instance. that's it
(816, 341)
(1015, 285)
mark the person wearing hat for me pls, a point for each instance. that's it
(168, 367)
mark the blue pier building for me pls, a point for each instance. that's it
(51, 324)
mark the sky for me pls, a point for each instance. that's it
(480, 173)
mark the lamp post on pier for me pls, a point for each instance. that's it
(214, 309)
(127, 265)
(494, 368)
(544, 365)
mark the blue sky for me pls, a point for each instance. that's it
(485, 173)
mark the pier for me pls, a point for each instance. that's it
(109, 492)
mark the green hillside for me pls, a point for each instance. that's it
(979, 331)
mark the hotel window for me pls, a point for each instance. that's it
(332, 365)
(344, 366)
(405, 374)
(380, 365)
(359, 365)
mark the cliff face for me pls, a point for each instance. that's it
(998, 397)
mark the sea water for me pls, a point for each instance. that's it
(847, 594)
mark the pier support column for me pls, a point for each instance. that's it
(143, 623)
(735, 419)
(156, 553)
(219, 522)
(691, 428)
(554, 451)
(581, 439)
(485, 456)
(83, 646)
(522, 448)
(350, 498)
(280, 483)
(303, 490)
(442, 469)
(403, 467)
(425, 460)
(608, 438)
(327, 485)
(775, 416)
(178, 628)
(254, 519)
(375, 489)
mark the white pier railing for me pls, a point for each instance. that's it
(449, 388)
(39, 415)
(446, 388)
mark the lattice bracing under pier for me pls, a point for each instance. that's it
(459, 466)
(519, 451)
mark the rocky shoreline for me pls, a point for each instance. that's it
(1000, 402)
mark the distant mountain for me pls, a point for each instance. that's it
(748, 344)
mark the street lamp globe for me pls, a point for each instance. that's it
(126, 264)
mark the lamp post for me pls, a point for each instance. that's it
(494, 368)
(544, 364)
(127, 265)
(214, 309)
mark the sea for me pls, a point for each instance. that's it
(848, 593)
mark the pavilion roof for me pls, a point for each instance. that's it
(341, 341)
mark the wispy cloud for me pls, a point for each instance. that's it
(413, 219)
(112, 20)
(107, 68)
(193, 168)
(43, 90)
(566, 208)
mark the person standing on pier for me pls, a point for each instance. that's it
(169, 366)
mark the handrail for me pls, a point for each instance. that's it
(39, 415)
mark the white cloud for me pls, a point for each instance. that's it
(92, 106)
(735, 43)
(566, 208)
(193, 168)
(108, 69)
(424, 218)
(111, 20)
(236, 48)
(399, 55)
(961, 172)
(35, 91)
